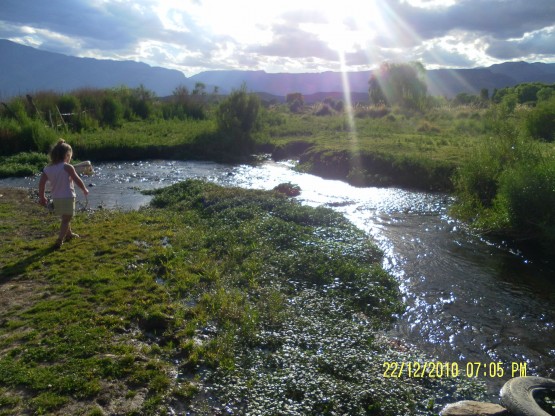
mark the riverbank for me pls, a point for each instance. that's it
(397, 151)
(364, 168)
(212, 298)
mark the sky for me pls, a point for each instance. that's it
(287, 35)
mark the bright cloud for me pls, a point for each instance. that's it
(288, 35)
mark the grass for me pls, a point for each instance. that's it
(370, 151)
(244, 296)
(22, 164)
(145, 140)
(412, 151)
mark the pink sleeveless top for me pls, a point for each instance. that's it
(60, 181)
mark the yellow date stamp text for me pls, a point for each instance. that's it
(441, 369)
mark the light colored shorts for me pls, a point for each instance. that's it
(64, 206)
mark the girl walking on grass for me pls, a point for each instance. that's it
(62, 177)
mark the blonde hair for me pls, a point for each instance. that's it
(59, 151)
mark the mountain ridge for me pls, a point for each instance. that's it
(26, 70)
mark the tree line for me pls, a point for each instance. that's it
(32, 123)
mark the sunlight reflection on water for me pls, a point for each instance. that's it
(467, 299)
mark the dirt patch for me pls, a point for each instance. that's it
(17, 196)
(19, 293)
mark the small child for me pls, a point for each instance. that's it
(62, 176)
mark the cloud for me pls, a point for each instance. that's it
(292, 42)
(111, 30)
(195, 35)
(531, 45)
(437, 57)
(496, 18)
(106, 26)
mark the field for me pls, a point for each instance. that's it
(217, 298)
(496, 158)
(205, 294)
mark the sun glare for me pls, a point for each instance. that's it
(343, 25)
(431, 3)
(350, 23)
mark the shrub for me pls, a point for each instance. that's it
(9, 136)
(190, 108)
(84, 122)
(295, 101)
(112, 112)
(25, 136)
(237, 118)
(324, 110)
(507, 187)
(68, 104)
(91, 101)
(17, 110)
(38, 136)
(476, 180)
(540, 121)
(375, 111)
(527, 193)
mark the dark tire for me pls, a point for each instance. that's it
(517, 395)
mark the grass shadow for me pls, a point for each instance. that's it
(20, 267)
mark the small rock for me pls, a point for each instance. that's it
(473, 408)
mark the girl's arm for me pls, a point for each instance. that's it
(73, 174)
(42, 185)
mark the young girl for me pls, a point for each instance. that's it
(62, 176)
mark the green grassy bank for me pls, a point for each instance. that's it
(211, 298)
(409, 150)
(403, 149)
(497, 159)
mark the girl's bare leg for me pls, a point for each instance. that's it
(69, 233)
(65, 227)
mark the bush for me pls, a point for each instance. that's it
(39, 136)
(91, 101)
(69, 104)
(324, 110)
(295, 101)
(182, 110)
(527, 193)
(112, 112)
(25, 136)
(375, 111)
(10, 131)
(476, 181)
(237, 118)
(84, 122)
(540, 121)
(507, 188)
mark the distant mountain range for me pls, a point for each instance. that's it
(26, 70)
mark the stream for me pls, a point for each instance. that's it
(469, 300)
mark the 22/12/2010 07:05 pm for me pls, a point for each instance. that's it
(438, 369)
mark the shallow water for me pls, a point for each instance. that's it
(468, 300)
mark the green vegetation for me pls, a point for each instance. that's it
(400, 84)
(266, 303)
(260, 302)
(478, 147)
(237, 118)
(22, 164)
(507, 186)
